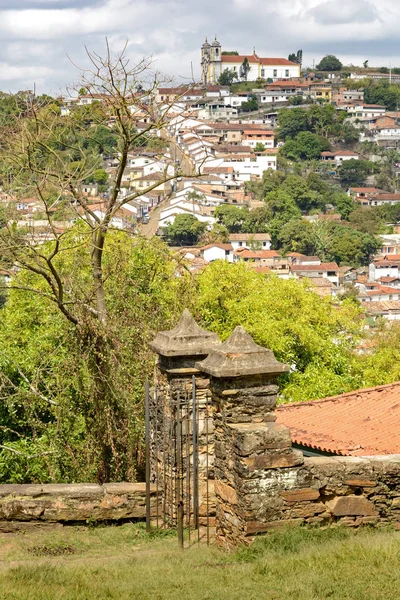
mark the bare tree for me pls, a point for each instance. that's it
(48, 157)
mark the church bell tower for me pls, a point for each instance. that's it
(211, 62)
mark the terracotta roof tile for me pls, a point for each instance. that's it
(360, 423)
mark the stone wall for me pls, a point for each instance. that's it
(261, 481)
(24, 507)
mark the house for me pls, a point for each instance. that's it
(390, 244)
(389, 310)
(326, 270)
(338, 425)
(216, 251)
(247, 240)
(214, 63)
(260, 257)
(301, 259)
(384, 268)
(339, 156)
(252, 137)
(363, 111)
(342, 95)
(364, 194)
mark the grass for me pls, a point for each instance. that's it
(125, 563)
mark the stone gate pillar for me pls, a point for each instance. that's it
(249, 445)
(178, 350)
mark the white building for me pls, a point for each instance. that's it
(217, 252)
(246, 240)
(214, 63)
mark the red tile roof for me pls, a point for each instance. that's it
(322, 267)
(254, 59)
(360, 423)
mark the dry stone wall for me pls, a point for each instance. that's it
(24, 507)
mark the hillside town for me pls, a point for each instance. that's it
(219, 143)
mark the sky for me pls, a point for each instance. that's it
(43, 41)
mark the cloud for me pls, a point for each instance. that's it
(356, 11)
(37, 35)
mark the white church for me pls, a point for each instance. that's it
(214, 63)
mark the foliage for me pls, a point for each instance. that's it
(227, 77)
(238, 219)
(186, 230)
(329, 63)
(230, 53)
(244, 69)
(47, 419)
(354, 172)
(259, 147)
(382, 92)
(250, 105)
(305, 146)
(283, 315)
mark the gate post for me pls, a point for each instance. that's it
(249, 445)
(181, 389)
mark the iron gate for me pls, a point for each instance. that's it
(177, 459)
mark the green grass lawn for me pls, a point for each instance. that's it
(124, 563)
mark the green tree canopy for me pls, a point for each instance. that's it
(329, 63)
(186, 230)
(227, 77)
(305, 146)
(354, 172)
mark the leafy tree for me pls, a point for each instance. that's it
(100, 176)
(305, 198)
(231, 217)
(365, 64)
(291, 122)
(47, 415)
(227, 77)
(292, 57)
(344, 204)
(352, 247)
(349, 133)
(365, 219)
(305, 146)
(303, 331)
(281, 208)
(329, 63)
(354, 172)
(298, 236)
(186, 230)
(230, 53)
(259, 147)
(244, 69)
(249, 106)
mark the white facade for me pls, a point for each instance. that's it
(217, 252)
(376, 271)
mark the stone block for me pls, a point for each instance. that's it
(304, 495)
(251, 438)
(346, 506)
(308, 510)
(274, 460)
(360, 483)
(226, 492)
(254, 527)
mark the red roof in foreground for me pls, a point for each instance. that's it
(361, 423)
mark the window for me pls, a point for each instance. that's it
(262, 72)
(264, 244)
(240, 243)
(287, 73)
(275, 73)
(226, 252)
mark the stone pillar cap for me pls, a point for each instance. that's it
(187, 338)
(240, 356)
